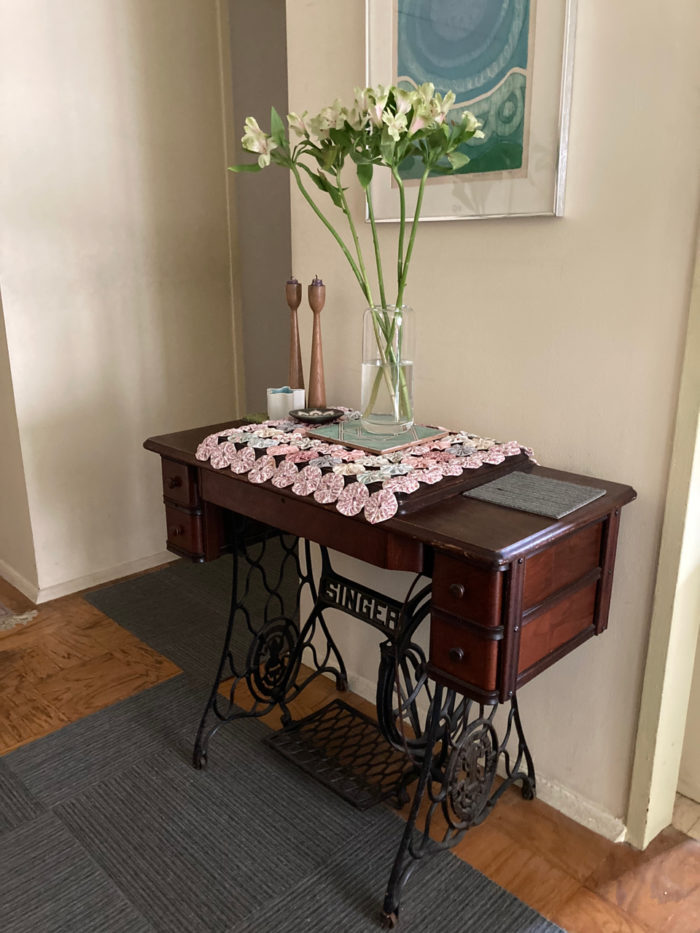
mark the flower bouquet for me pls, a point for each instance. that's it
(386, 127)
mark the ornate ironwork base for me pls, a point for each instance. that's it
(461, 751)
(265, 641)
(448, 741)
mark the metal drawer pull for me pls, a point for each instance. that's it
(174, 482)
(177, 530)
(456, 654)
(457, 590)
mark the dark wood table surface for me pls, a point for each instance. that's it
(512, 591)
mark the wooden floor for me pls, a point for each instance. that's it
(72, 660)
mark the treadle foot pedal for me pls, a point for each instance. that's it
(343, 748)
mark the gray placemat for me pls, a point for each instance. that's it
(541, 495)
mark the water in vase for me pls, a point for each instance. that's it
(387, 396)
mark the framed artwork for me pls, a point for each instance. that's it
(509, 62)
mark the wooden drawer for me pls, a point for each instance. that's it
(467, 591)
(568, 619)
(561, 564)
(185, 531)
(465, 654)
(179, 483)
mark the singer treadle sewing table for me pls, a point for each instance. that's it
(504, 593)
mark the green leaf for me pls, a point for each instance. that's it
(316, 179)
(249, 167)
(328, 157)
(387, 147)
(457, 159)
(323, 184)
(341, 139)
(277, 127)
(364, 173)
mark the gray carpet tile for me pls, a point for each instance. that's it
(182, 610)
(347, 895)
(17, 805)
(90, 750)
(49, 884)
(188, 852)
(186, 626)
(138, 840)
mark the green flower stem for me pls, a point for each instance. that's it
(375, 241)
(402, 225)
(346, 252)
(355, 239)
(398, 390)
(412, 238)
(401, 396)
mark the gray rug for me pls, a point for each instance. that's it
(105, 826)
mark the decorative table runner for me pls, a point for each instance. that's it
(355, 482)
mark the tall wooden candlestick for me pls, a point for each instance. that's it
(296, 373)
(317, 386)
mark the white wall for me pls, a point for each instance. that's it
(114, 262)
(689, 596)
(16, 543)
(566, 334)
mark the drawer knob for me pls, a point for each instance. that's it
(174, 482)
(177, 530)
(457, 590)
(456, 654)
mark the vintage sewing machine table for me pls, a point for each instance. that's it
(511, 594)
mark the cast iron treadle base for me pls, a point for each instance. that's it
(342, 748)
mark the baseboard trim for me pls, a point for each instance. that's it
(44, 594)
(580, 809)
(689, 788)
(26, 588)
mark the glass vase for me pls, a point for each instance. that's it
(388, 341)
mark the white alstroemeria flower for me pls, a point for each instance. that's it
(362, 101)
(422, 116)
(378, 99)
(299, 123)
(395, 123)
(255, 140)
(357, 118)
(404, 100)
(472, 124)
(330, 118)
(439, 106)
(426, 92)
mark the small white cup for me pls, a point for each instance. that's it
(281, 401)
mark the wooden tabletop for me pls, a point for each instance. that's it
(485, 532)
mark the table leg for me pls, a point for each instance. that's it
(264, 642)
(461, 751)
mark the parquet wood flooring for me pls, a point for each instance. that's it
(72, 660)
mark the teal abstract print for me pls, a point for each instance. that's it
(481, 49)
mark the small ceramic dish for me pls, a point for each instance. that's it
(316, 415)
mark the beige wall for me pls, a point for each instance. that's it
(259, 80)
(115, 262)
(16, 544)
(566, 334)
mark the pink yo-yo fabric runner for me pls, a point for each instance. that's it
(353, 481)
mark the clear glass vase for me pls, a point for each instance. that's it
(388, 341)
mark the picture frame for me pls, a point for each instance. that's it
(511, 63)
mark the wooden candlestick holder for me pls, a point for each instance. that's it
(317, 387)
(296, 372)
